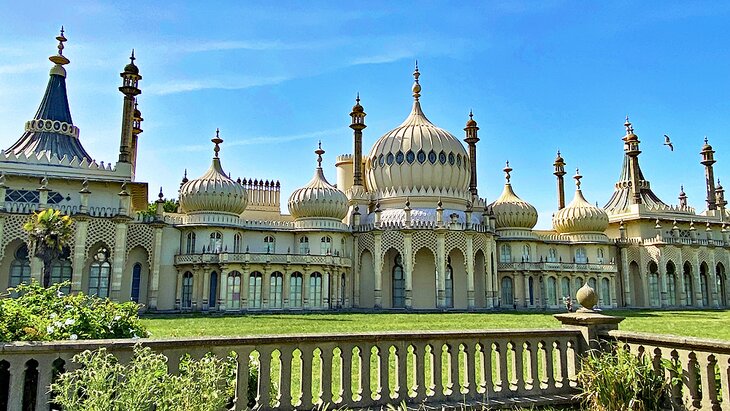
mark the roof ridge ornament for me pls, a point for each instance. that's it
(507, 169)
(577, 178)
(216, 140)
(629, 127)
(319, 153)
(416, 85)
(59, 58)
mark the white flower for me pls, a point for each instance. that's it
(70, 321)
(117, 318)
(53, 315)
(49, 329)
(58, 324)
(59, 294)
(73, 337)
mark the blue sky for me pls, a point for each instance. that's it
(275, 77)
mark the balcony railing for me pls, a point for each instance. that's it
(558, 266)
(227, 258)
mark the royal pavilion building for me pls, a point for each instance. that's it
(403, 227)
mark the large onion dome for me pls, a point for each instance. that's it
(214, 191)
(318, 199)
(512, 212)
(580, 216)
(418, 160)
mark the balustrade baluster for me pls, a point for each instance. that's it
(384, 373)
(454, 383)
(264, 387)
(285, 381)
(533, 350)
(675, 377)
(502, 353)
(242, 355)
(366, 393)
(346, 379)
(470, 369)
(17, 377)
(519, 373)
(401, 353)
(419, 372)
(487, 368)
(723, 362)
(709, 385)
(326, 394)
(45, 375)
(306, 377)
(548, 384)
(438, 371)
(562, 347)
(690, 393)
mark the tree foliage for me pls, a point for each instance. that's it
(50, 233)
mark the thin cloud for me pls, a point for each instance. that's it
(183, 86)
(256, 140)
(22, 68)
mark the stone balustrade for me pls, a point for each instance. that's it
(226, 258)
(700, 367)
(344, 370)
(558, 266)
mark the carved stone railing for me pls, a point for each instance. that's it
(558, 266)
(696, 363)
(344, 370)
(227, 258)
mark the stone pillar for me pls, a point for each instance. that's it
(408, 262)
(440, 268)
(470, 301)
(265, 287)
(356, 271)
(526, 278)
(195, 300)
(120, 254)
(223, 290)
(696, 280)
(243, 302)
(305, 289)
(79, 256)
(326, 289)
(712, 282)
(589, 322)
(154, 285)
(285, 286)
(489, 279)
(378, 263)
(206, 287)
(612, 291)
(178, 291)
(628, 300)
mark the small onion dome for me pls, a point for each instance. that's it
(706, 147)
(471, 122)
(318, 199)
(357, 108)
(580, 216)
(511, 211)
(213, 191)
(131, 68)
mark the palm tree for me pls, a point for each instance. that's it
(50, 233)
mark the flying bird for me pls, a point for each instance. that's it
(668, 143)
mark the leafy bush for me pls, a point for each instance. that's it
(103, 384)
(46, 314)
(617, 380)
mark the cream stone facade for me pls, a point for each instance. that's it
(403, 228)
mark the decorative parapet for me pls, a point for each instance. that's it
(263, 258)
(51, 126)
(558, 266)
(671, 241)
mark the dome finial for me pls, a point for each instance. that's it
(217, 141)
(60, 59)
(507, 170)
(319, 153)
(705, 139)
(577, 178)
(416, 84)
(160, 196)
(629, 127)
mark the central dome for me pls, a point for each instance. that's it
(418, 160)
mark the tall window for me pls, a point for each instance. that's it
(275, 290)
(688, 288)
(190, 243)
(531, 287)
(216, 242)
(507, 295)
(565, 287)
(578, 284)
(136, 280)
(99, 274)
(303, 245)
(580, 255)
(449, 283)
(326, 245)
(213, 288)
(551, 290)
(720, 279)
(295, 290)
(704, 286)
(552, 255)
(233, 290)
(237, 240)
(270, 244)
(342, 247)
(505, 254)
(605, 292)
(592, 283)
(599, 255)
(61, 271)
(254, 290)
(526, 252)
(671, 285)
(343, 290)
(187, 290)
(315, 290)
(20, 267)
(654, 289)
(399, 283)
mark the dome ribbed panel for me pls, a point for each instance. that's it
(580, 216)
(318, 199)
(511, 211)
(213, 192)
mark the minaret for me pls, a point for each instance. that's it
(708, 159)
(720, 200)
(472, 139)
(682, 198)
(136, 131)
(357, 125)
(631, 148)
(559, 172)
(130, 81)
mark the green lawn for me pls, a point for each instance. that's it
(703, 324)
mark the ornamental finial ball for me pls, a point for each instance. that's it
(587, 297)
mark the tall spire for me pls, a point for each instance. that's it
(51, 132)
(507, 169)
(416, 85)
(319, 153)
(708, 159)
(357, 125)
(130, 88)
(217, 140)
(559, 172)
(471, 140)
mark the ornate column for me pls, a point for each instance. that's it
(79, 256)
(378, 263)
(154, 285)
(120, 254)
(628, 300)
(195, 300)
(178, 290)
(470, 270)
(223, 289)
(489, 275)
(355, 271)
(612, 290)
(285, 286)
(245, 271)
(206, 287)
(408, 260)
(526, 278)
(265, 286)
(696, 279)
(326, 288)
(440, 268)
(305, 287)
(662, 269)
(712, 282)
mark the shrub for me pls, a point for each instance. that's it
(618, 380)
(103, 384)
(46, 314)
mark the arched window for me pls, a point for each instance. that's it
(237, 240)
(580, 255)
(213, 288)
(599, 255)
(275, 290)
(216, 242)
(449, 283)
(688, 288)
(342, 248)
(578, 284)
(720, 278)
(398, 283)
(552, 255)
(270, 244)
(526, 252)
(100, 273)
(61, 271)
(190, 243)
(592, 283)
(20, 267)
(654, 299)
(187, 290)
(343, 290)
(254, 290)
(505, 254)
(605, 292)
(326, 245)
(565, 288)
(315, 290)
(233, 290)
(671, 284)
(295, 290)
(704, 285)
(531, 289)
(551, 289)
(136, 280)
(507, 295)
(303, 245)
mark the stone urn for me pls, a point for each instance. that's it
(587, 298)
